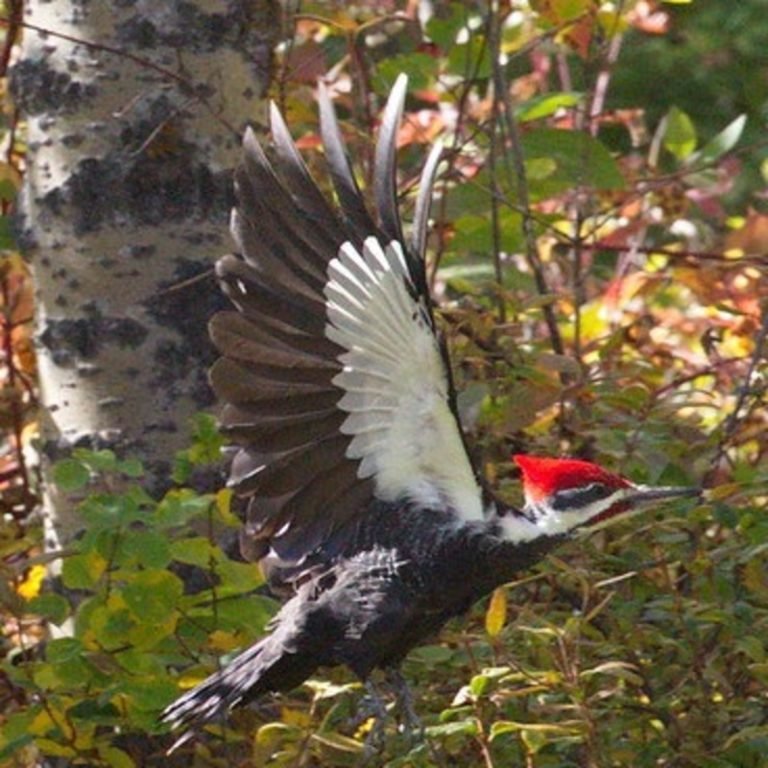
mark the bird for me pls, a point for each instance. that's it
(364, 508)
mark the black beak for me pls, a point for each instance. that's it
(643, 494)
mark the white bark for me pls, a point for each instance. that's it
(127, 197)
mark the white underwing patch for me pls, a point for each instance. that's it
(394, 382)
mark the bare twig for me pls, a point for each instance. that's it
(495, 47)
(519, 182)
(17, 411)
(14, 23)
(745, 391)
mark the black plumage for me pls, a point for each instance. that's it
(368, 605)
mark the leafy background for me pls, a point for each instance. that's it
(599, 254)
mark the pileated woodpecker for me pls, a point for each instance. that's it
(363, 505)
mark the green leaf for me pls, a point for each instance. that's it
(95, 710)
(751, 646)
(181, 506)
(207, 440)
(239, 576)
(421, 69)
(546, 105)
(146, 693)
(679, 133)
(152, 595)
(478, 685)
(195, 551)
(65, 665)
(7, 234)
(474, 233)
(443, 28)
(724, 142)
(430, 655)
(567, 159)
(471, 60)
(182, 469)
(148, 548)
(8, 191)
(110, 622)
(70, 475)
(251, 613)
(52, 607)
(64, 649)
(131, 467)
(461, 727)
(83, 571)
(472, 197)
(110, 511)
(115, 757)
(508, 726)
(12, 747)
(99, 461)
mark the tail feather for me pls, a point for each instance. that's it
(264, 667)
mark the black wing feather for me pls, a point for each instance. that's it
(306, 458)
(347, 190)
(384, 176)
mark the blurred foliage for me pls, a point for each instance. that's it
(599, 253)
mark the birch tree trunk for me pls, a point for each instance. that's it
(132, 139)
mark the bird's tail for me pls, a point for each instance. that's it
(269, 665)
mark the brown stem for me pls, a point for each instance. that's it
(14, 23)
(495, 47)
(745, 391)
(17, 412)
(520, 184)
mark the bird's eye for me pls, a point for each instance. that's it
(579, 497)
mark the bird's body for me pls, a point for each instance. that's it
(369, 605)
(364, 508)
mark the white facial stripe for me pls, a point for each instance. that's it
(542, 520)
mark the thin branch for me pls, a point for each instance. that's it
(683, 255)
(17, 411)
(520, 184)
(601, 83)
(745, 391)
(14, 23)
(495, 48)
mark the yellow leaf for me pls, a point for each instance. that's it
(271, 732)
(755, 578)
(54, 748)
(720, 492)
(30, 587)
(115, 757)
(339, 742)
(192, 677)
(223, 507)
(496, 616)
(9, 173)
(295, 717)
(41, 724)
(224, 641)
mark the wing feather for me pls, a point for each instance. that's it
(350, 198)
(417, 452)
(337, 394)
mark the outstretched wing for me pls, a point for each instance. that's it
(336, 390)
